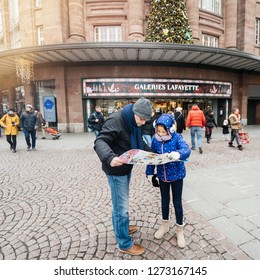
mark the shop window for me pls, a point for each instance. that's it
(213, 6)
(107, 33)
(257, 31)
(19, 99)
(45, 100)
(209, 41)
(4, 102)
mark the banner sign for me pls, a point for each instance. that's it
(49, 108)
(155, 87)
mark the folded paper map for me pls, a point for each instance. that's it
(136, 156)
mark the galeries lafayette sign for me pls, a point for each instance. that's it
(155, 87)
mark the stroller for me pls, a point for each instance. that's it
(53, 132)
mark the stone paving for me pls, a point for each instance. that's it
(55, 204)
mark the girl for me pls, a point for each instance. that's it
(10, 122)
(225, 130)
(171, 174)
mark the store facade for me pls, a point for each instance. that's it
(114, 75)
(165, 94)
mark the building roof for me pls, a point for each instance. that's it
(173, 54)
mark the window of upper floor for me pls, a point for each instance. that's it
(1, 24)
(2, 47)
(38, 3)
(40, 37)
(107, 34)
(213, 6)
(15, 38)
(257, 31)
(209, 40)
(13, 13)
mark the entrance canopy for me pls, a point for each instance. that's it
(175, 54)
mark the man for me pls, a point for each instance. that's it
(120, 133)
(96, 120)
(29, 123)
(180, 121)
(196, 121)
(42, 122)
(235, 125)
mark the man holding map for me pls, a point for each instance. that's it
(120, 133)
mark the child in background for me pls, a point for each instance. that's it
(225, 130)
(171, 174)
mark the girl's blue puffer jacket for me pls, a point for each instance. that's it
(171, 171)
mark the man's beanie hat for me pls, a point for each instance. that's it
(143, 108)
(29, 106)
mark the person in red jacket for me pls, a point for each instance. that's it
(196, 121)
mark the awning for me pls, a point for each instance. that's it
(173, 54)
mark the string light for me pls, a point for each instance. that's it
(24, 70)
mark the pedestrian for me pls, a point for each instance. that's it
(0, 125)
(42, 123)
(180, 121)
(210, 123)
(29, 124)
(96, 120)
(120, 133)
(225, 130)
(171, 174)
(235, 125)
(148, 131)
(10, 123)
(196, 121)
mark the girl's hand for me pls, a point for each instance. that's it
(174, 155)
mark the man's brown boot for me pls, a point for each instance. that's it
(135, 250)
(132, 229)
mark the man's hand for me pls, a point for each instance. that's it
(116, 161)
(174, 155)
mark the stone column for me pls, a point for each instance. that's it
(244, 99)
(29, 93)
(76, 21)
(193, 17)
(135, 20)
(230, 10)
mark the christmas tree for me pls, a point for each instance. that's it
(168, 22)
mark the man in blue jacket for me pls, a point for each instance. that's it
(29, 123)
(120, 133)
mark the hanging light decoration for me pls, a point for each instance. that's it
(24, 70)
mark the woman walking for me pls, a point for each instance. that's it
(10, 122)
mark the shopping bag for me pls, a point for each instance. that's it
(243, 137)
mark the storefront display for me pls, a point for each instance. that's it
(165, 94)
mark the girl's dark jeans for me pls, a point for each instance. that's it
(176, 187)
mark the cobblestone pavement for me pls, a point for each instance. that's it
(55, 204)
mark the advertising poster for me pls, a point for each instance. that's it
(49, 108)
